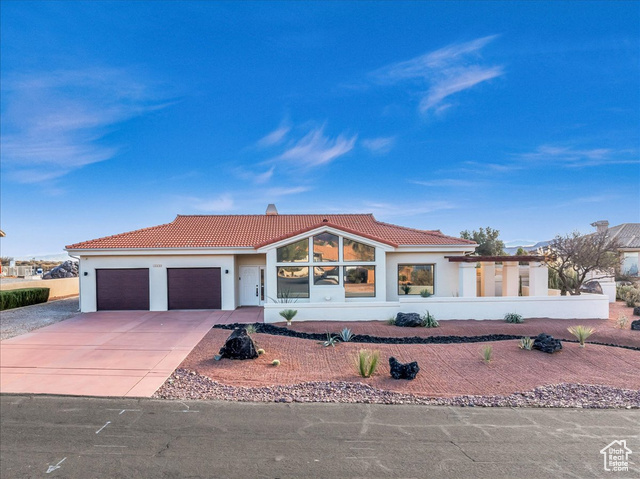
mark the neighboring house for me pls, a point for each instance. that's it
(341, 267)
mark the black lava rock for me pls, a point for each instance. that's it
(408, 320)
(635, 325)
(546, 343)
(403, 371)
(636, 311)
(239, 345)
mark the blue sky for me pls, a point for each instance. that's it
(522, 116)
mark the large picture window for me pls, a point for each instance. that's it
(326, 275)
(325, 247)
(293, 282)
(355, 251)
(359, 281)
(414, 278)
(297, 252)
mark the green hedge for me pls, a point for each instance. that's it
(16, 298)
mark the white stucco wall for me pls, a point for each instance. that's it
(446, 275)
(585, 306)
(157, 264)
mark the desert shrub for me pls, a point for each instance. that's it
(429, 320)
(391, 321)
(425, 293)
(487, 353)
(622, 321)
(513, 318)
(16, 298)
(581, 333)
(526, 343)
(630, 294)
(367, 362)
(250, 329)
(346, 335)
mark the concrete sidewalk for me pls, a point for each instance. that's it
(124, 353)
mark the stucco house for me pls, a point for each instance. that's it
(334, 266)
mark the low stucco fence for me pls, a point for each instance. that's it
(585, 306)
(58, 288)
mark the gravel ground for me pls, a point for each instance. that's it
(186, 384)
(14, 322)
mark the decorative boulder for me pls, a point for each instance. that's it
(239, 345)
(636, 311)
(546, 343)
(592, 287)
(403, 371)
(635, 325)
(68, 269)
(408, 320)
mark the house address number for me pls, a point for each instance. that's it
(157, 266)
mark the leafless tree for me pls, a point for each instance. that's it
(574, 256)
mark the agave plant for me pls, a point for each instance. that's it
(346, 335)
(429, 320)
(425, 293)
(406, 289)
(513, 318)
(331, 341)
(581, 333)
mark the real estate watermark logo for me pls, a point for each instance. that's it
(616, 456)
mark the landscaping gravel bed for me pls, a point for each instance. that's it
(365, 338)
(186, 384)
(14, 322)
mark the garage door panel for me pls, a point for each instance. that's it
(122, 289)
(194, 288)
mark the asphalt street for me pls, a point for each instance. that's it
(48, 436)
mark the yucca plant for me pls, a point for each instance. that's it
(288, 314)
(429, 320)
(526, 343)
(513, 318)
(581, 333)
(367, 362)
(346, 335)
(487, 353)
(406, 289)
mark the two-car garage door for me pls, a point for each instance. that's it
(187, 288)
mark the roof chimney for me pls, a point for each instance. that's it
(272, 211)
(602, 225)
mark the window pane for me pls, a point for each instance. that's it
(326, 275)
(414, 278)
(297, 252)
(325, 247)
(359, 281)
(630, 264)
(293, 282)
(355, 251)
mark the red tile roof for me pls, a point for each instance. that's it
(233, 231)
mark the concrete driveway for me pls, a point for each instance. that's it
(124, 353)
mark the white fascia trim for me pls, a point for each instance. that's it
(435, 248)
(322, 229)
(162, 251)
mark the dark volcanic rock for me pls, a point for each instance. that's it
(635, 325)
(239, 345)
(408, 320)
(403, 371)
(546, 343)
(636, 311)
(68, 269)
(592, 287)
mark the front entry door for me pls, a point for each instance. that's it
(250, 285)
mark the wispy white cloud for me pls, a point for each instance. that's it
(391, 210)
(252, 174)
(55, 122)
(283, 191)
(315, 149)
(220, 204)
(442, 73)
(446, 183)
(564, 156)
(275, 137)
(379, 145)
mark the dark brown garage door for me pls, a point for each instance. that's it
(122, 289)
(194, 288)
